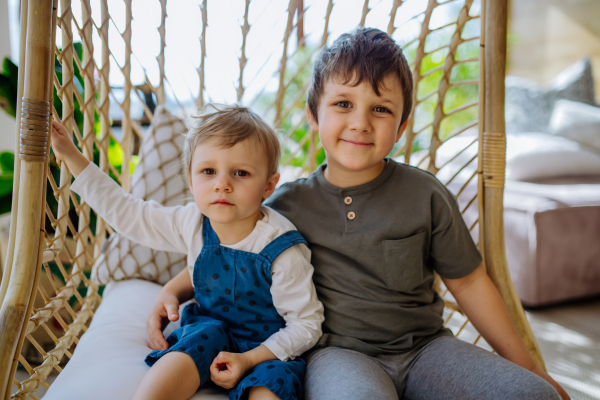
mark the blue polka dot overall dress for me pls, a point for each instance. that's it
(235, 313)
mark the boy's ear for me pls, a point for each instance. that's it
(271, 185)
(314, 126)
(401, 130)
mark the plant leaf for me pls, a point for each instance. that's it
(7, 161)
(9, 83)
(5, 203)
(8, 96)
(6, 184)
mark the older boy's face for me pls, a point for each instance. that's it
(228, 184)
(357, 127)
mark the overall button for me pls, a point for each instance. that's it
(348, 200)
(351, 215)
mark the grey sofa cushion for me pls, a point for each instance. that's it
(529, 106)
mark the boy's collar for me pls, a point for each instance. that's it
(360, 189)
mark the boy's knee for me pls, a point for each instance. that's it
(533, 388)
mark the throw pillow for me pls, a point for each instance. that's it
(528, 106)
(540, 155)
(576, 121)
(156, 177)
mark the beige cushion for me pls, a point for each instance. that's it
(156, 177)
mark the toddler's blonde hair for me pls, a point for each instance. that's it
(229, 125)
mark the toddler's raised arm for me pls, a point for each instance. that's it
(145, 222)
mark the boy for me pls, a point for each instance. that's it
(378, 230)
(256, 308)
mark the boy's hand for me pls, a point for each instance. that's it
(164, 310)
(562, 392)
(65, 149)
(227, 369)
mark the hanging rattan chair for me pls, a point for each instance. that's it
(55, 241)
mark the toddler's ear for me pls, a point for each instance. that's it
(271, 185)
(312, 122)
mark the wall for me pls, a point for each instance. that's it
(546, 36)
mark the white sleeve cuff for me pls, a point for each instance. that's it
(276, 349)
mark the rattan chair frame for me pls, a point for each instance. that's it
(31, 248)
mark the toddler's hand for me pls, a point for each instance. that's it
(61, 141)
(227, 369)
(164, 310)
(65, 149)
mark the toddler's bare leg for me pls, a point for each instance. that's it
(173, 376)
(261, 393)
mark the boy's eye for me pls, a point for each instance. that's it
(343, 104)
(381, 109)
(241, 173)
(208, 171)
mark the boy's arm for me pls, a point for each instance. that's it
(481, 302)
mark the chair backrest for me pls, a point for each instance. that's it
(101, 73)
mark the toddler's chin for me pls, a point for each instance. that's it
(219, 216)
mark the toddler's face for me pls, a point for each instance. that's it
(357, 127)
(228, 184)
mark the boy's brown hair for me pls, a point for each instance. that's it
(230, 125)
(363, 54)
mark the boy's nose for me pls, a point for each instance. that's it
(360, 122)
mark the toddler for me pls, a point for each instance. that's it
(249, 270)
(378, 230)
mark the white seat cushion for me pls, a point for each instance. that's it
(108, 362)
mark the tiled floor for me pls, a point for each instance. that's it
(569, 339)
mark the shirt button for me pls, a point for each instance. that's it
(348, 200)
(351, 215)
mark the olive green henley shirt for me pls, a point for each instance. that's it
(374, 249)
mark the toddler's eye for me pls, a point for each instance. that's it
(343, 104)
(208, 171)
(381, 109)
(241, 173)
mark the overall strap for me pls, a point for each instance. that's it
(281, 244)
(208, 234)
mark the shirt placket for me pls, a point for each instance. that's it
(348, 210)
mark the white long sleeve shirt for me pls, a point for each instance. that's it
(179, 229)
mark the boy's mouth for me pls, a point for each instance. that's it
(356, 143)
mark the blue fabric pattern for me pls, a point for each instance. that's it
(235, 313)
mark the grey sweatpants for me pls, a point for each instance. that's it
(446, 368)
